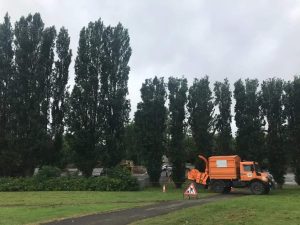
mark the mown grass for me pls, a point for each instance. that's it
(277, 208)
(35, 207)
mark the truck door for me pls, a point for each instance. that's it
(247, 172)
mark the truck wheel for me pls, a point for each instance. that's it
(226, 190)
(218, 186)
(267, 189)
(257, 188)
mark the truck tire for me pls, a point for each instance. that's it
(257, 188)
(218, 186)
(227, 190)
(267, 189)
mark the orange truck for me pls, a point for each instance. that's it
(224, 172)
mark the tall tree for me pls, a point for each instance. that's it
(84, 120)
(249, 121)
(99, 107)
(34, 56)
(130, 142)
(7, 155)
(177, 101)
(150, 120)
(59, 91)
(201, 108)
(292, 111)
(272, 103)
(114, 90)
(223, 120)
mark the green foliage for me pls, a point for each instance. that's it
(114, 82)
(69, 184)
(59, 85)
(34, 56)
(48, 172)
(272, 104)
(98, 105)
(128, 182)
(249, 121)
(223, 120)
(201, 108)
(83, 116)
(118, 172)
(150, 121)
(32, 90)
(8, 157)
(190, 149)
(177, 101)
(292, 111)
(130, 143)
(66, 155)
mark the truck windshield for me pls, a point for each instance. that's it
(248, 167)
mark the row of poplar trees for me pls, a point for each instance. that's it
(267, 118)
(36, 107)
(43, 122)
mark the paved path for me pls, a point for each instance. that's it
(130, 215)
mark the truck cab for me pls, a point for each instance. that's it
(248, 171)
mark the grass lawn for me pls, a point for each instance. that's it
(33, 207)
(277, 208)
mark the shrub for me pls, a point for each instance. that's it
(48, 172)
(68, 184)
(128, 182)
(118, 172)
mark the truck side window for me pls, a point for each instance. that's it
(247, 167)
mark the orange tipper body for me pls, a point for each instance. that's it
(224, 172)
(224, 167)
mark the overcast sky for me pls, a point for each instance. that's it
(219, 38)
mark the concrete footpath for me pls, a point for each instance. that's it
(131, 215)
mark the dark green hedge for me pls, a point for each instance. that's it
(69, 184)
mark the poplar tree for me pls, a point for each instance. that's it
(114, 91)
(292, 111)
(223, 119)
(150, 123)
(130, 142)
(201, 108)
(34, 56)
(99, 104)
(59, 91)
(177, 100)
(272, 104)
(84, 119)
(249, 121)
(7, 155)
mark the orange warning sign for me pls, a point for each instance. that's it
(191, 191)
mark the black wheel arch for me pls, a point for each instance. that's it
(257, 180)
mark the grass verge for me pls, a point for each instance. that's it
(34, 207)
(277, 208)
